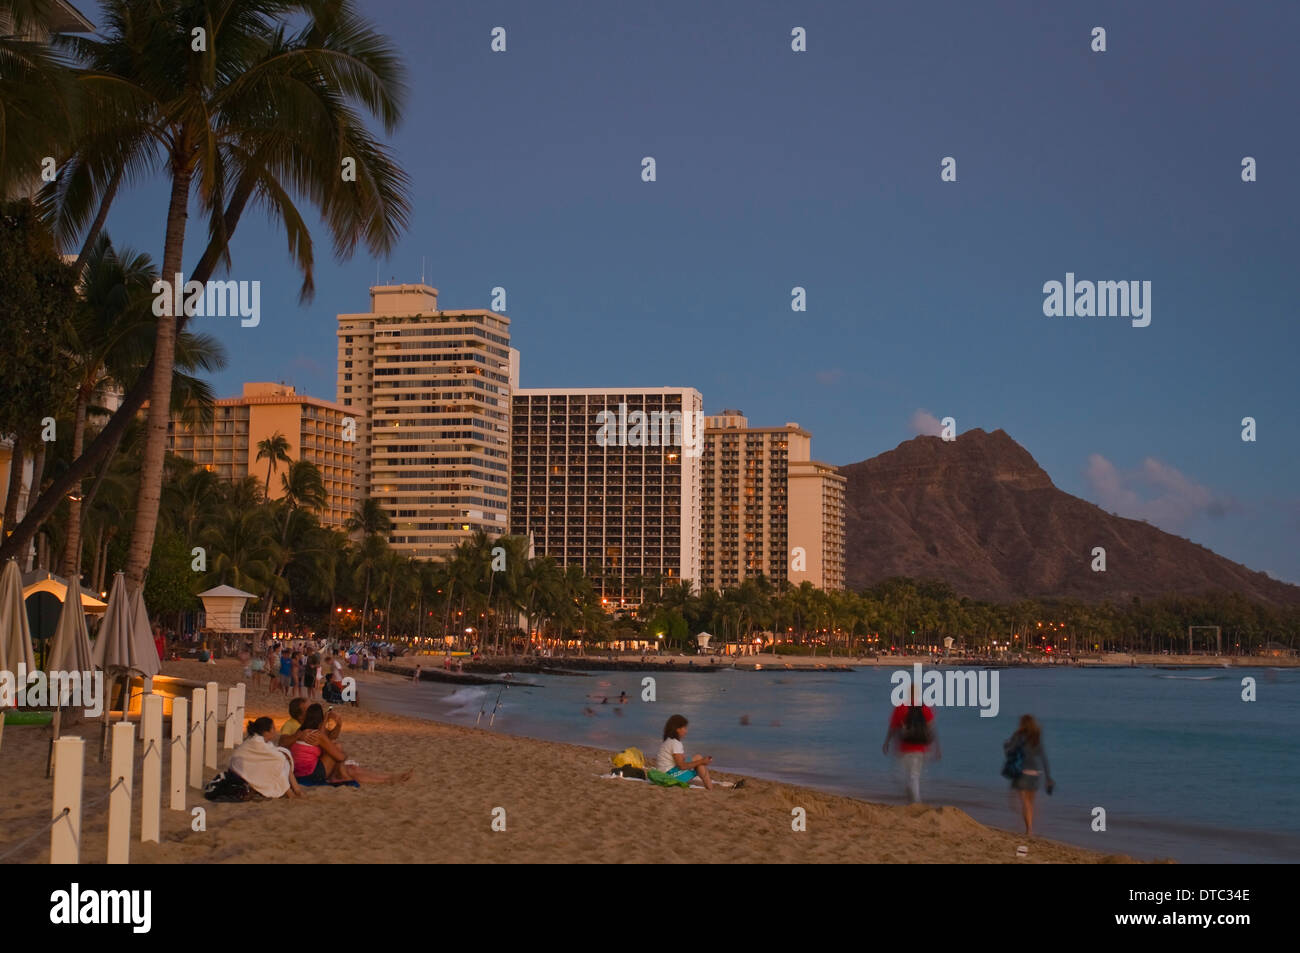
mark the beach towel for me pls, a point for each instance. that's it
(263, 765)
(665, 779)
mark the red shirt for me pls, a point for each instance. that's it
(160, 644)
(896, 726)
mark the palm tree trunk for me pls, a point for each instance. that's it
(17, 463)
(160, 393)
(70, 567)
(38, 472)
(97, 225)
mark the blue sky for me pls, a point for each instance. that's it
(821, 169)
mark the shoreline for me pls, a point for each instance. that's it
(579, 665)
(557, 808)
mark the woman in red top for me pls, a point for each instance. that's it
(319, 759)
(910, 726)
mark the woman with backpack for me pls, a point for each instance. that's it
(1026, 765)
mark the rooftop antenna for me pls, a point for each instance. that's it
(421, 269)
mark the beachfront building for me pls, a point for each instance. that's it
(768, 509)
(430, 393)
(315, 430)
(608, 479)
(816, 520)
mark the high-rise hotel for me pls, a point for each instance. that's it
(430, 391)
(768, 508)
(609, 480)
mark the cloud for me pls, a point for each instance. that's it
(829, 377)
(925, 424)
(1155, 492)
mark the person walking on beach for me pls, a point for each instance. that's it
(911, 728)
(1026, 765)
(273, 670)
(416, 677)
(672, 755)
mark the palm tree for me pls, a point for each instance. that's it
(38, 109)
(108, 341)
(274, 449)
(370, 519)
(263, 116)
(258, 112)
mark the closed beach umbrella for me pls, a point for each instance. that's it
(70, 647)
(69, 652)
(15, 634)
(113, 643)
(144, 654)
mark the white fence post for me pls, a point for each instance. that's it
(232, 726)
(242, 690)
(121, 773)
(151, 720)
(197, 715)
(210, 726)
(69, 764)
(180, 746)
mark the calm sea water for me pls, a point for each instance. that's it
(1182, 766)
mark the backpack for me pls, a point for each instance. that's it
(916, 728)
(228, 786)
(1014, 766)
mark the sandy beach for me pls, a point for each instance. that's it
(557, 809)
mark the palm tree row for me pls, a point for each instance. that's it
(906, 615)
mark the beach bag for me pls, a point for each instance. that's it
(228, 786)
(1014, 766)
(916, 729)
(630, 771)
(629, 756)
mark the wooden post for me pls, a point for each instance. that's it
(210, 726)
(121, 774)
(151, 719)
(231, 731)
(197, 715)
(69, 765)
(180, 746)
(239, 707)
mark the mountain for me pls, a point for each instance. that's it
(980, 514)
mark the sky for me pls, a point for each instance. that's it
(821, 169)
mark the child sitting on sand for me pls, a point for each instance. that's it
(672, 755)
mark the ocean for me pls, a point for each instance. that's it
(1182, 766)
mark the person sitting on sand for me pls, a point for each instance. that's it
(297, 708)
(672, 755)
(267, 769)
(319, 759)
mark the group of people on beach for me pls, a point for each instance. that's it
(911, 734)
(303, 671)
(305, 752)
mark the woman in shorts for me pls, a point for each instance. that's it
(1033, 769)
